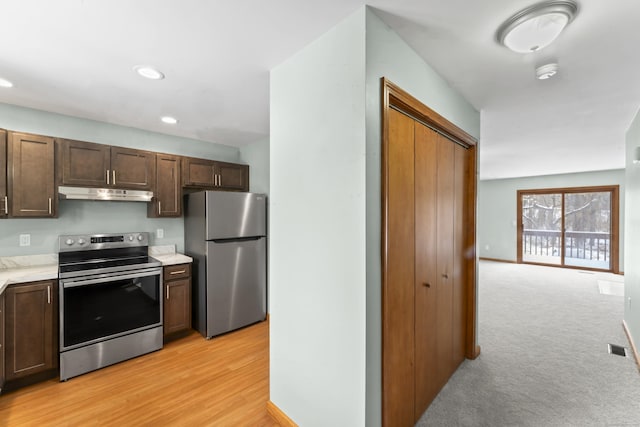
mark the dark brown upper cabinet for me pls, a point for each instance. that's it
(30, 176)
(4, 200)
(97, 165)
(214, 175)
(232, 176)
(167, 195)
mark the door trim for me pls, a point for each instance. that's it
(393, 97)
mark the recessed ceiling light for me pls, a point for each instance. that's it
(169, 120)
(546, 71)
(149, 72)
(5, 83)
(537, 26)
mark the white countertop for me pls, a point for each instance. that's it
(9, 276)
(173, 259)
(32, 268)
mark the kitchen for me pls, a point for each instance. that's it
(79, 216)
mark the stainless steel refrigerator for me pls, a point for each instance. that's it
(225, 234)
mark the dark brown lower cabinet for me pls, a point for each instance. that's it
(1, 342)
(177, 299)
(30, 329)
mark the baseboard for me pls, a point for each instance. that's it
(497, 260)
(280, 417)
(634, 349)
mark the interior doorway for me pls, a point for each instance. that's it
(570, 227)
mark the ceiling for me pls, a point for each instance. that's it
(76, 57)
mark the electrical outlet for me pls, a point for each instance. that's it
(25, 240)
(160, 233)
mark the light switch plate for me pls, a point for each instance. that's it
(160, 233)
(25, 240)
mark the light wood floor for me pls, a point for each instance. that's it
(191, 382)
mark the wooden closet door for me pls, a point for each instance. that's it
(461, 253)
(445, 247)
(398, 299)
(426, 280)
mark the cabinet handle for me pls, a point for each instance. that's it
(426, 285)
(6, 205)
(114, 176)
(107, 176)
(49, 294)
(167, 291)
(445, 275)
(219, 180)
(178, 272)
(49, 205)
(159, 207)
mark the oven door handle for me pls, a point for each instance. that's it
(72, 283)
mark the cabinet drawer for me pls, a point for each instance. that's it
(179, 271)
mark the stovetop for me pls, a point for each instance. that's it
(87, 255)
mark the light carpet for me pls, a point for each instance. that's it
(544, 333)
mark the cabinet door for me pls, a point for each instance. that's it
(198, 172)
(177, 306)
(134, 169)
(31, 179)
(83, 163)
(30, 329)
(168, 193)
(2, 375)
(232, 176)
(4, 202)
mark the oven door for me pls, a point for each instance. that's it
(97, 308)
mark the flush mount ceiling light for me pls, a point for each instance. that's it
(546, 71)
(5, 83)
(148, 72)
(537, 26)
(169, 120)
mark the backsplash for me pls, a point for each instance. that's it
(83, 217)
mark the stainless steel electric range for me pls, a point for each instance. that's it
(110, 300)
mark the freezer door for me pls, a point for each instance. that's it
(236, 284)
(235, 215)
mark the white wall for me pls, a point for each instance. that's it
(84, 216)
(632, 245)
(317, 224)
(257, 155)
(389, 56)
(497, 208)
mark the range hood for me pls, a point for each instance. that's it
(107, 194)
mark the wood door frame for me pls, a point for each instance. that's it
(393, 97)
(615, 223)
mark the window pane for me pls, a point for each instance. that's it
(542, 222)
(588, 230)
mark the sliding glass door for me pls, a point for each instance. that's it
(570, 227)
(587, 223)
(542, 235)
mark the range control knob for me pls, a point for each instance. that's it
(140, 237)
(81, 241)
(69, 242)
(131, 237)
